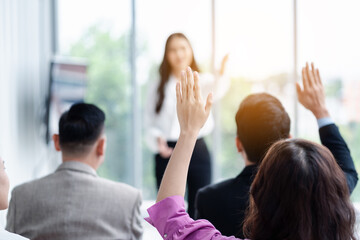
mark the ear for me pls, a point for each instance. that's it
(101, 146)
(56, 140)
(239, 145)
(290, 135)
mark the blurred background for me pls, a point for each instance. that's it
(56, 52)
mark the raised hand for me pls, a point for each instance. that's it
(192, 114)
(312, 96)
(191, 110)
(223, 64)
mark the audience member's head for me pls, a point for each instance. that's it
(299, 192)
(4, 186)
(81, 134)
(261, 120)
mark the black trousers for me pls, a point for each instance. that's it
(199, 171)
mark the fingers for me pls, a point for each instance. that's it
(183, 85)
(310, 76)
(305, 79)
(226, 58)
(313, 72)
(168, 152)
(298, 89)
(209, 102)
(190, 82)
(318, 76)
(178, 92)
(197, 92)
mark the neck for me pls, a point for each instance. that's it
(248, 163)
(246, 160)
(86, 161)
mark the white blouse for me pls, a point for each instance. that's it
(165, 124)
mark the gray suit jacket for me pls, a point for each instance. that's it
(75, 204)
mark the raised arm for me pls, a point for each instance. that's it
(224, 64)
(218, 84)
(192, 115)
(312, 97)
(168, 215)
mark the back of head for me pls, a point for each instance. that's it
(261, 120)
(80, 128)
(299, 192)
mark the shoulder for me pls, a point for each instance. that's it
(119, 188)
(117, 192)
(31, 186)
(215, 190)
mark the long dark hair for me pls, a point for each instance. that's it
(299, 192)
(165, 70)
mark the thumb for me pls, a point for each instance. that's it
(298, 89)
(299, 93)
(209, 102)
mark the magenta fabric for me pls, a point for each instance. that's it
(173, 223)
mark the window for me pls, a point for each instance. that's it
(332, 42)
(259, 37)
(99, 31)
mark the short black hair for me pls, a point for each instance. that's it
(80, 127)
(261, 120)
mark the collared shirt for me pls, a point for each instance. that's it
(322, 122)
(172, 221)
(165, 124)
(77, 166)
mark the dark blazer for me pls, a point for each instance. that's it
(224, 204)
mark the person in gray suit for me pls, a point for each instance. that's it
(73, 203)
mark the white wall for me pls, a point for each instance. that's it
(25, 51)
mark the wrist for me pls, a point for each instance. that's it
(191, 134)
(321, 113)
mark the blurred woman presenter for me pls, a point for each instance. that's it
(161, 122)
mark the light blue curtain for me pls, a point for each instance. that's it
(25, 53)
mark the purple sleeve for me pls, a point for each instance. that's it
(171, 220)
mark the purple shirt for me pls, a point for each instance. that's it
(171, 220)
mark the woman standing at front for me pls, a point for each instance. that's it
(162, 127)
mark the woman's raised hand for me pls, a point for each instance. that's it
(224, 64)
(191, 109)
(192, 114)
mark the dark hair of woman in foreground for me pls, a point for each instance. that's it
(165, 69)
(298, 193)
